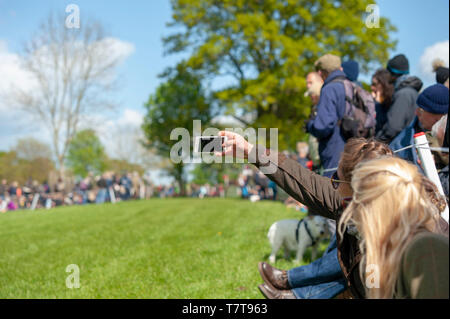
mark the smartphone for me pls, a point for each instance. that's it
(209, 144)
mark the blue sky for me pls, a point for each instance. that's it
(420, 24)
(143, 23)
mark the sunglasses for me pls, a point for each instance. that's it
(335, 180)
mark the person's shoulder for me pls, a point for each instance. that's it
(426, 244)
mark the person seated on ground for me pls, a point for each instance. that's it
(432, 105)
(328, 198)
(402, 256)
(323, 278)
(401, 112)
(295, 204)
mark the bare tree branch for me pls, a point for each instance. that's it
(73, 71)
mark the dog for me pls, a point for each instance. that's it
(297, 235)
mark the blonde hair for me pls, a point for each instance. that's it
(390, 205)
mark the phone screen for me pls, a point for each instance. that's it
(210, 144)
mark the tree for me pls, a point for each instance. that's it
(28, 159)
(121, 166)
(86, 154)
(129, 148)
(31, 149)
(72, 72)
(265, 48)
(175, 104)
(33, 160)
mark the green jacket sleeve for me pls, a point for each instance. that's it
(307, 187)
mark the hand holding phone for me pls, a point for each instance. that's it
(209, 144)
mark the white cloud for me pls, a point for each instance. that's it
(121, 134)
(15, 123)
(12, 73)
(438, 50)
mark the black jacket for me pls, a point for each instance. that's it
(402, 110)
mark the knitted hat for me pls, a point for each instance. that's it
(441, 71)
(398, 65)
(434, 99)
(328, 62)
(351, 69)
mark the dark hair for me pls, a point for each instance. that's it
(385, 79)
(360, 149)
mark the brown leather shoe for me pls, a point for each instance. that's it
(274, 277)
(271, 293)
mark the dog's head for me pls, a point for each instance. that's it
(318, 226)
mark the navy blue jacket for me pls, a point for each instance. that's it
(406, 138)
(324, 126)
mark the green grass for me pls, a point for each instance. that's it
(159, 248)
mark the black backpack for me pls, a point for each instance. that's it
(359, 116)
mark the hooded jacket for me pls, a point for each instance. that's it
(402, 110)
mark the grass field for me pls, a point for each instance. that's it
(159, 248)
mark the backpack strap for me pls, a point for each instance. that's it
(349, 93)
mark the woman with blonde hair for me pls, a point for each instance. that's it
(403, 254)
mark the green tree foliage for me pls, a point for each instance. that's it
(120, 166)
(86, 154)
(266, 47)
(28, 159)
(176, 103)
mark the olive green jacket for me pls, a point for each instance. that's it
(424, 268)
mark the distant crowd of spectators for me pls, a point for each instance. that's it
(108, 187)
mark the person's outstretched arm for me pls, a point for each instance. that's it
(307, 187)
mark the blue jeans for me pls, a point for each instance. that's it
(321, 279)
(101, 196)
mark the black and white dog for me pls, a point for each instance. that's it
(297, 235)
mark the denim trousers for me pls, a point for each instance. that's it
(101, 196)
(321, 279)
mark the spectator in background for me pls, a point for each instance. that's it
(13, 189)
(3, 205)
(243, 185)
(432, 105)
(102, 190)
(261, 184)
(314, 84)
(441, 72)
(330, 110)
(3, 188)
(382, 91)
(351, 70)
(439, 132)
(125, 183)
(302, 154)
(407, 88)
(60, 186)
